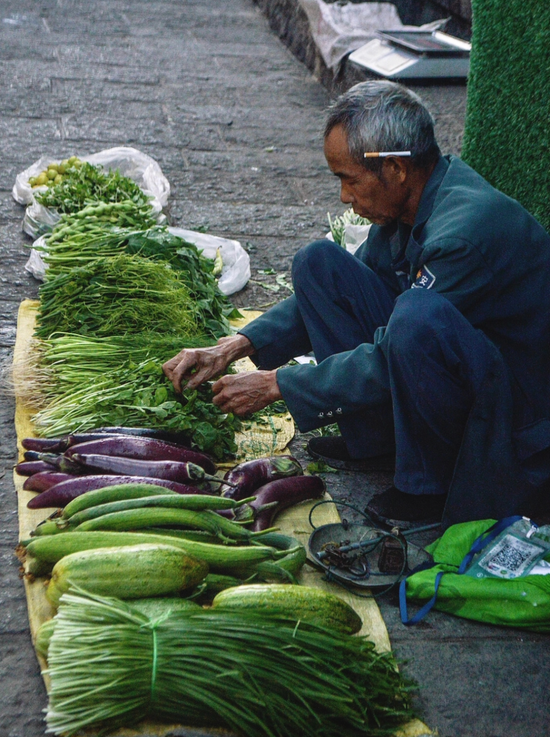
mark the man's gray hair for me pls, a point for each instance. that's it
(384, 116)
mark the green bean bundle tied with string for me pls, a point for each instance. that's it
(110, 665)
(114, 296)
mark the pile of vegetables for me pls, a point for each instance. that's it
(81, 184)
(252, 672)
(121, 296)
(116, 296)
(163, 551)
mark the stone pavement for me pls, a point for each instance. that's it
(235, 122)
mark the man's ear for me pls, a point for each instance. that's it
(395, 169)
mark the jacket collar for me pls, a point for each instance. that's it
(431, 189)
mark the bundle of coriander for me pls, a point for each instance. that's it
(257, 675)
(114, 296)
(136, 396)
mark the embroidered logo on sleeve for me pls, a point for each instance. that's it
(424, 279)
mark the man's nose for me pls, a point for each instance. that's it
(345, 195)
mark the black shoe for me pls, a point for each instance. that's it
(332, 450)
(393, 508)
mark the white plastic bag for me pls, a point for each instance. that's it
(354, 236)
(130, 162)
(236, 261)
(339, 28)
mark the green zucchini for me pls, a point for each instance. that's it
(199, 535)
(287, 567)
(299, 603)
(194, 502)
(214, 583)
(112, 494)
(133, 572)
(135, 519)
(230, 559)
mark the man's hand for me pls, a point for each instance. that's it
(193, 366)
(246, 392)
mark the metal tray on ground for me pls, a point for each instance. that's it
(366, 573)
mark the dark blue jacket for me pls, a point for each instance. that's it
(489, 257)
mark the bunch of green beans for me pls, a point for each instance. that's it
(252, 673)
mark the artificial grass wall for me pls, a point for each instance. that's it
(507, 130)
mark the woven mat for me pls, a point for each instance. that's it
(293, 521)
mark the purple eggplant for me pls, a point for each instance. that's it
(144, 449)
(45, 445)
(171, 470)
(29, 468)
(179, 438)
(251, 475)
(60, 462)
(64, 492)
(282, 493)
(59, 445)
(45, 480)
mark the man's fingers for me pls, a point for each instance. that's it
(177, 372)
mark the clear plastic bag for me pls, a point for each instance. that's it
(130, 162)
(235, 260)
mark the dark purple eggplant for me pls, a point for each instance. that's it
(44, 445)
(64, 492)
(251, 475)
(286, 493)
(59, 445)
(179, 438)
(172, 470)
(61, 462)
(29, 468)
(45, 480)
(143, 449)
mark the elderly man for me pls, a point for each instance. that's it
(432, 341)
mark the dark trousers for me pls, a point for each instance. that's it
(431, 358)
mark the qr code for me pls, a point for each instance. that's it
(511, 558)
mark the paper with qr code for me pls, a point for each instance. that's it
(511, 557)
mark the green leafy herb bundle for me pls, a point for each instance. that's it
(196, 271)
(84, 237)
(114, 296)
(138, 396)
(73, 358)
(260, 676)
(86, 184)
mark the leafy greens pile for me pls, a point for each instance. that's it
(121, 296)
(86, 184)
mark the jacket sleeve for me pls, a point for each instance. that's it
(340, 385)
(278, 335)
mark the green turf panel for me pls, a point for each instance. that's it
(507, 130)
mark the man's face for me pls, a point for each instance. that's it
(380, 199)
